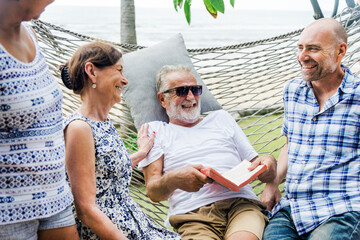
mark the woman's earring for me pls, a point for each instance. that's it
(93, 85)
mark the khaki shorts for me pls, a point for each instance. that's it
(220, 219)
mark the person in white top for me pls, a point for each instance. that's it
(200, 208)
(35, 199)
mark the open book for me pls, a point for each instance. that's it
(237, 177)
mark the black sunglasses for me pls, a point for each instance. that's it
(183, 91)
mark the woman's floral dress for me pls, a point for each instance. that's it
(113, 169)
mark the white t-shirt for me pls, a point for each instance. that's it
(217, 142)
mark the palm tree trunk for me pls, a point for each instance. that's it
(128, 31)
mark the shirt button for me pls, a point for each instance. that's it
(293, 200)
(314, 119)
(303, 162)
(310, 139)
(296, 181)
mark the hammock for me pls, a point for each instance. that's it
(246, 79)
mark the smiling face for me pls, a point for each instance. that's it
(183, 111)
(317, 48)
(111, 82)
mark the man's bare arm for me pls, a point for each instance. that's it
(160, 186)
(271, 194)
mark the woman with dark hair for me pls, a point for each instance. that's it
(98, 164)
(35, 199)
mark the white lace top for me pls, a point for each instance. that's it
(32, 154)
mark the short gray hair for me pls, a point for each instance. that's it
(161, 83)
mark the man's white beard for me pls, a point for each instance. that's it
(183, 114)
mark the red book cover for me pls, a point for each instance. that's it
(237, 177)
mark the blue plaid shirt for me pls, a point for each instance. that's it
(323, 176)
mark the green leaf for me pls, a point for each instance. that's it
(180, 3)
(232, 2)
(175, 4)
(210, 8)
(187, 12)
(218, 5)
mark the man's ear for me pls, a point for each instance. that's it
(161, 98)
(342, 50)
(90, 71)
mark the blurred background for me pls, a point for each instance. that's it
(157, 20)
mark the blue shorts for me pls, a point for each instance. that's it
(28, 230)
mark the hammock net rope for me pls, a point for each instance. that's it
(246, 79)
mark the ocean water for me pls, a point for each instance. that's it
(154, 25)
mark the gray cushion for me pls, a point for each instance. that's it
(141, 67)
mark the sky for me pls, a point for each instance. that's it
(326, 5)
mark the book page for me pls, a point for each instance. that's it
(240, 173)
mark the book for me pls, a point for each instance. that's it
(237, 177)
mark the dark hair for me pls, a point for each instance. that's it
(73, 72)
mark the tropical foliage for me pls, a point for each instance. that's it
(212, 6)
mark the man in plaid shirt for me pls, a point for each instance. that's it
(321, 157)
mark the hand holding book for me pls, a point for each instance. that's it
(237, 177)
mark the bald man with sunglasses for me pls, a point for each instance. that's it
(200, 208)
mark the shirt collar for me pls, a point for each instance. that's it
(347, 84)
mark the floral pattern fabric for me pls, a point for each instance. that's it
(113, 171)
